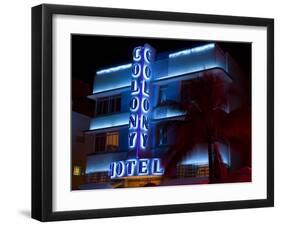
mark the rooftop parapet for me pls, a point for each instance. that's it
(174, 65)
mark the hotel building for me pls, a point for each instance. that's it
(170, 76)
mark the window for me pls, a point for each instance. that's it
(77, 171)
(203, 171)
(112, 141)
(114, 104)
(106, 142)
(162, 135)
(108, 105)
(102, 106)
(162, 94)
(184, 171)
(98, 177)
(186, 90)
(100, 142)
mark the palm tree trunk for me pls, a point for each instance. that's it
(211, 162)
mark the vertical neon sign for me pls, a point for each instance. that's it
(140, 98)
(143, 57)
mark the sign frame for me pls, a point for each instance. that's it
(42, 104)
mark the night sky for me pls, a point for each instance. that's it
(91, 52)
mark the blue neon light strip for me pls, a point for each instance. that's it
(101, 162)
(201, 160)
(187, 70)
(106, 86)
(166, 112)
(114, 69)
(200, 156)
(169, 114)
(109, 121)
(105, 122)
(192, 50)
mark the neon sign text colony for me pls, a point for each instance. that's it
(138, 138)
(140, 98)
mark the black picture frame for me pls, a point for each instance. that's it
(42, 111)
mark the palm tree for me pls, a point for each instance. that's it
(207, 121)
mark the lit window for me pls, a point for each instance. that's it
(112, 141)
(203, 171)
(76, 170)
(106, 142)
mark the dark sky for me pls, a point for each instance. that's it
(91, 52)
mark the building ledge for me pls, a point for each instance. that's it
(109, 121)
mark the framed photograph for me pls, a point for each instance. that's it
(146, 112)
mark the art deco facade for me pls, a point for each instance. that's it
(172, 74)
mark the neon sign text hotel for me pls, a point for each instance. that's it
(135, 167)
